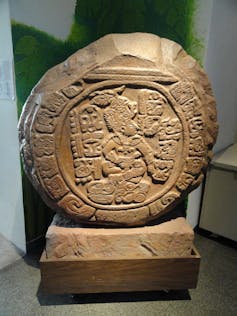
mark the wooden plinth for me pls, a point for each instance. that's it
(120, 275)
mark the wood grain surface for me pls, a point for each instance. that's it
(120, 275)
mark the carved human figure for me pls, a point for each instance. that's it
(138, 148)
(126, 154)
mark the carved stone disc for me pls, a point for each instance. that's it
(119, 132)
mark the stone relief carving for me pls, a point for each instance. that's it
(120, 141)
(120, 146)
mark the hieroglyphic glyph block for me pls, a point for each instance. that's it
(119, 132)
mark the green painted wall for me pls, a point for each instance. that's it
(36, 51)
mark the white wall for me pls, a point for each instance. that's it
(221, 66)
(52, 16)
(11, 205)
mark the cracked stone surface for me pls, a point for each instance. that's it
(70, 241)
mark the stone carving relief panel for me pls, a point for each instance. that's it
(123, 143)
(118, 142)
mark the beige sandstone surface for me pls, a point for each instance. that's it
(120, 132)
(173, 239)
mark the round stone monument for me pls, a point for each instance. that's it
(120, 132)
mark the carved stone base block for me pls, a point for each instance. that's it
(173, 239)
(97, 260)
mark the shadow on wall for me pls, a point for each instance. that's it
(36, 51)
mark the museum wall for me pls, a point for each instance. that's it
(11, 204)
(221, 66)
(40, 43)
(50, 16)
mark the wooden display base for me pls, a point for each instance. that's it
(120, 275)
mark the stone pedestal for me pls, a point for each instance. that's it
(67, 240)
(117, 136)
(95, 260)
